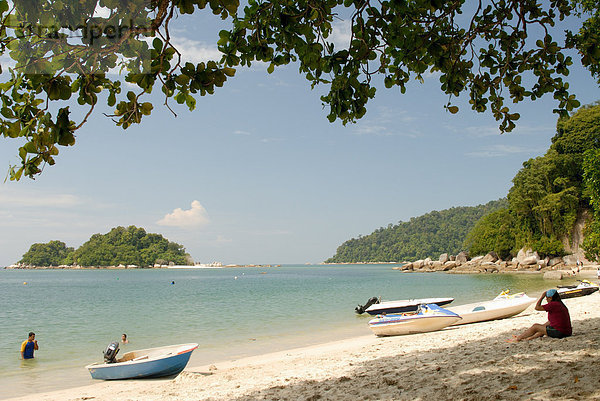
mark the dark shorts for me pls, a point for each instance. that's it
(552, 332)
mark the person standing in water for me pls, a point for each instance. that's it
(28, 346)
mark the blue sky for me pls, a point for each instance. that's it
(256, 174)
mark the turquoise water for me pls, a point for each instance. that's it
(231, 313)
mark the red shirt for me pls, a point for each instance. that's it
(558, 316)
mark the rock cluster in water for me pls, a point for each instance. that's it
(526, 261)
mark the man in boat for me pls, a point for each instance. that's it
(28, 346)
(559, 321)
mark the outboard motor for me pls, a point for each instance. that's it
(110, 354)
(360, 309)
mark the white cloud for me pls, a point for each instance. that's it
(221, 239)
(372, 129)
(241, 132)
(270, 140)
(388, 122)
(340, 34)
(500, 150)
(195, 217)
(9, 197)
(494, 130)
(195, 51)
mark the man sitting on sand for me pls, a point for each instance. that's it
(559, 321)
(28, 346)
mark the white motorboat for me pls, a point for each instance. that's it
(501, 307)
(429, 317)
(403, 306)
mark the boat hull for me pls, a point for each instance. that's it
(577, 292)
(157, 362)
(491, 310)
(422, 325)
(429, 318)
(584, 288)
(404, 306)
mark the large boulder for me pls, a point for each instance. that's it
(449, 265)
(554, 261)
(407, 266)
(553, 275)
(444, 258)
(530, 260)
(477, 259)
(570, 260)
(462, 257)
(427, 262)
(418, 264)
(490, 257)
(526, 253)
(437, 265)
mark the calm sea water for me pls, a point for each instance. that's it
(231, 312)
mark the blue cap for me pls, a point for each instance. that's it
(550, 293)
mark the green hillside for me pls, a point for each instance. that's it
(420, 237)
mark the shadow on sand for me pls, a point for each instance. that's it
(485, 369)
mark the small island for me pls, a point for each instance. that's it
(121, 247)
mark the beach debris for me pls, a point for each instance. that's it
(212, 368)
(513, 387)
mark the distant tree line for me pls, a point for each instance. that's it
(550, 195)
(120, 246)
(428, 235)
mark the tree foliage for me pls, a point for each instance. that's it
(493, 232)
(53, 253)
(420, 237)
(66, 51)
(591, 175)
(549, 193)
(545, 195)
(120, 246)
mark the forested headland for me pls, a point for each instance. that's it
(553, 208)
(131, 246)
(420, 237)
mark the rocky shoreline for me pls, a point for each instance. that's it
(526, 261)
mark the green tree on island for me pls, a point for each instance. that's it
(53, 253)
(64, 52)
(120, 246)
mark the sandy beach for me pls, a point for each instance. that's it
(470, 362)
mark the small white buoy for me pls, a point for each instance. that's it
(235, 278)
